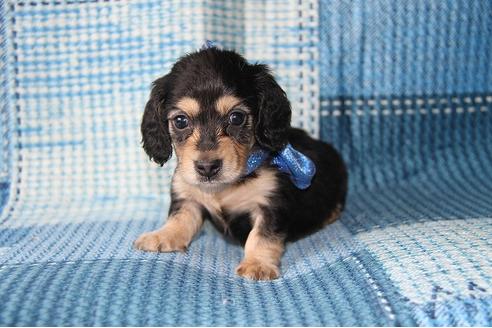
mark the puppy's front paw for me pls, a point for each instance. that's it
(160, 241)
(256, 270)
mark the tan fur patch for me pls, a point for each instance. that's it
(193, 193)
(334, 215)
(263, 249)
(249, 195)
(225, 103)
(245, 197)
(176, 234)
(189, 105)
(234, 156)
(187, 153)
(261, 255)
(253, 269)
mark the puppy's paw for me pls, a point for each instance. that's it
(256, 270)
(160, 241)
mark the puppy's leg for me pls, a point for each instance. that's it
(177, 232)
(262, 253)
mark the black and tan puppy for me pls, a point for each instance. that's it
(215, 109)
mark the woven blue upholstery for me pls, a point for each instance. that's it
(402, 88)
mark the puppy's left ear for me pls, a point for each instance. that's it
(274, 112)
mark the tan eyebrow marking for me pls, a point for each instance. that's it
(225, 103)
(188, 105)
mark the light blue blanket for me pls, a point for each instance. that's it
(402, 88)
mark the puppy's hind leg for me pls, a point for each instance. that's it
(176, 234)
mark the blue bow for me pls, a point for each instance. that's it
(298, 166)
(210, 44)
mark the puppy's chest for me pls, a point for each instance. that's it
(237, 201)
(245, 198)
(234, 213)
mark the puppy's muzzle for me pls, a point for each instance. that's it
(208, 169)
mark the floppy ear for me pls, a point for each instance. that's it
(274, 112)
(155, 131)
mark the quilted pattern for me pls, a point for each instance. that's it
(403, 89)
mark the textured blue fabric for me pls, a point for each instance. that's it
(298, 166)
(402, 88)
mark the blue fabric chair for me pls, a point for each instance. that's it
(402, 88)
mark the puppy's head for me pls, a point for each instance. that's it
(213, 108)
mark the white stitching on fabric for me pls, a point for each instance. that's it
(419, 102)
(407, 102)
(399, 111)
(386, 305)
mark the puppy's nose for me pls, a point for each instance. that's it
(208, 168)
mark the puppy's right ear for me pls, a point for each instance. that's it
(155, 131)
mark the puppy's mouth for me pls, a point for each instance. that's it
(216, 183)
(209, 181)
(225, 177)
(211, 185)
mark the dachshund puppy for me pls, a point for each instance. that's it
(219, 112)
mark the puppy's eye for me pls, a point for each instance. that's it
(237, 118)
(180, 122)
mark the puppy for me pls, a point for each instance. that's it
(217, 111)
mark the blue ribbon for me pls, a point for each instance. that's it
(298, 166)
(210, 44)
